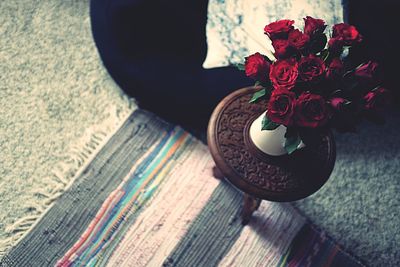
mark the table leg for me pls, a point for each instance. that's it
(250, 205)
(217, 173)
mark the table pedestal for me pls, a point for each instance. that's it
(258, 175)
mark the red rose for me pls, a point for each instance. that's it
(282, 48)
(298, 40)
(337, 103)
(313, 26)
(281, 106)
(367, 71)
(257, 67)
(311, 68)
(346, 33)
(279, 29)
(283, 73)
(335, 69)
(335, 45)
(376, 99)
(310, 110)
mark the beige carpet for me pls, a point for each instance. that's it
(58, 106)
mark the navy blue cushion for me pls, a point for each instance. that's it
(154, 50)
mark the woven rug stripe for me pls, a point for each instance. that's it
(134, 191)
(266, 238)
(164, 222)
(212, 233)
(62, 225)
(182, 196)
(312, 247)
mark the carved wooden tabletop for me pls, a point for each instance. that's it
(283, 178)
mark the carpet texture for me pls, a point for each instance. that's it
(360, 204)
(58, 106)
(149, 199)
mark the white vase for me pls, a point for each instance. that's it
(271, 142)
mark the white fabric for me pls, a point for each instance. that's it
(235, 28)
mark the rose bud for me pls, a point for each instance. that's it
(367, 71)
(281, 106)
(346, 33)
(298, 40)
(311, 68)
(313, 26)
(335, 69)
(283, 73)
(376, 99)
(337, 103)
(257, 67)
(279, 29)
(311, 110)
(282, 48)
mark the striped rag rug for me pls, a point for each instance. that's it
(149, 199)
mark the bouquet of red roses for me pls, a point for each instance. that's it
(308, 84)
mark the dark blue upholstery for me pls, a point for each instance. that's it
(154, 50)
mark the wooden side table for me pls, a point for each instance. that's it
(258, 175)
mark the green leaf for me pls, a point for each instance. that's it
(336, 92)
(347, 103)
(291, 143)
(359, 66)
(240, 66)
(267, 124)
(376, 88)
(348, 73)
(324, 54)
(325, 57)
(257, 83)
(257, 95)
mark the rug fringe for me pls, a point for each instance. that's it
(63, 176)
